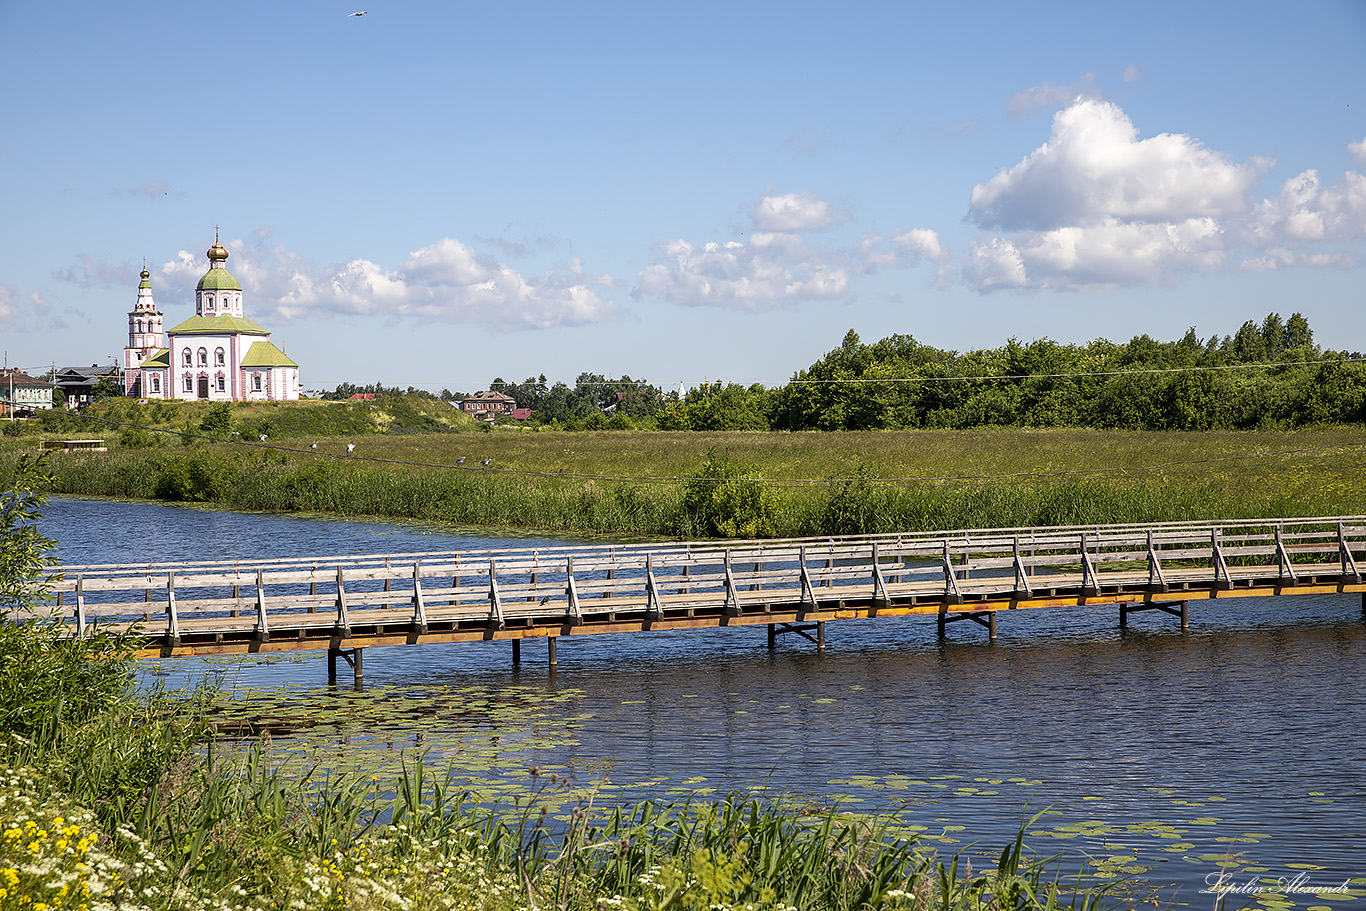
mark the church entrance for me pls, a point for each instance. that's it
(203, 387)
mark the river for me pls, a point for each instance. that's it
(1153, 754)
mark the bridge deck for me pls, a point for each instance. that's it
(350, 602)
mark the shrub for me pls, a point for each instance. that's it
(727, 500)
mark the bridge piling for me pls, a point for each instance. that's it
(516, 652)
(1175, 608)
(986, 619)
(352, 656)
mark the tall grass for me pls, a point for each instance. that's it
(651, 484)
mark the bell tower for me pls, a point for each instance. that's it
(144, 335)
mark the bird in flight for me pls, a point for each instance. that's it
(264, 438)
(350, 448)
(460, 461)
(486, 463)
(313, 446)
(357, 13)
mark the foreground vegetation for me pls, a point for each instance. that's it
(113, 797)
(695, 485)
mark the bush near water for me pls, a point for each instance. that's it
(115, 797)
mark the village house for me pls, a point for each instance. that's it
(78, 384)
(488, 404)
(21, 393)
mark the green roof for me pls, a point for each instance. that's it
(264, 354)
(218, 280)
(159, 358)
(217, 325)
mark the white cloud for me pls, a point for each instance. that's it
(794, 212)
(30, 313)
(1358, 150)
(772, 270)
(776, 267)
(1131, 73)
(904, 251)
(1097, 207)
(448, 282)
(1042, 97)
(1306, 212)
(1094, 167)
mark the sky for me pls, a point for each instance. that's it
(438, 194)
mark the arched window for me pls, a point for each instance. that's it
(256, 382)
(203, 357)
(222, 383)
(218, 357)
(186, 358)
(189, 383)
(156, 382)
(139, 327)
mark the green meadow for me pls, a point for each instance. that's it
(405, 463)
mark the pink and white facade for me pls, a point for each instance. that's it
(217, 354)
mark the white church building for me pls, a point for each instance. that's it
(216, 355)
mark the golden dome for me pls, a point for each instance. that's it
(217, 253)
(145, 275)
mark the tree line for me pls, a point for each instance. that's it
(1266, 375)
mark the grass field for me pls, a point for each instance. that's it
(636, 483)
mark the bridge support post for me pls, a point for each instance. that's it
(553, 642)
(981, 618)
(1175, 608)
(516, 652)
(801, 629)
(352, 656)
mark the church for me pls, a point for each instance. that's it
(216, 355)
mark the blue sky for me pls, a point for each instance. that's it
(435, 194)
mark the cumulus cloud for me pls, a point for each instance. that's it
(1096, 207)
(776, 267)
(771, 270)
(1131, 73)
(1094, 167)
(1358, 150)
(448, 281)
(793, 212)
(904, 251)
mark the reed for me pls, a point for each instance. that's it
(646, 484)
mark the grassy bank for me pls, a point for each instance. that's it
(695, 485)
(113, 797)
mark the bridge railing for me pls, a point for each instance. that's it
(576, 584)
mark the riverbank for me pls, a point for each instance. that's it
(700, 485)
(119, 797)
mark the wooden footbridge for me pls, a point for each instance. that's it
(345, 604)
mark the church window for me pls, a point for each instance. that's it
(139, 327)
(156, 383)
(218, 357)
(186, 358)
(222, 383)
(203, 357)
(256, 382)
(189, 383)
